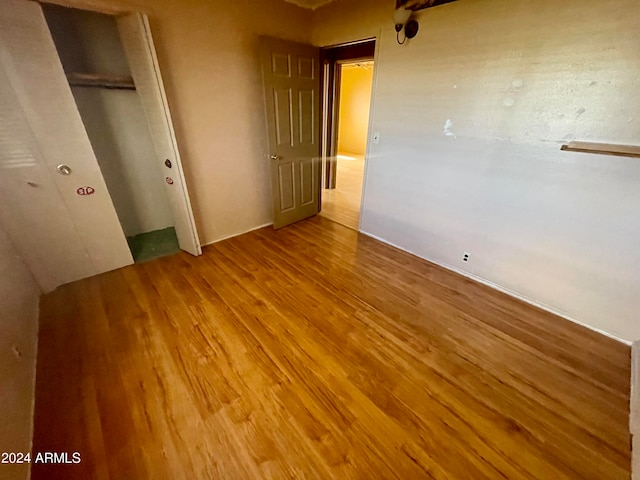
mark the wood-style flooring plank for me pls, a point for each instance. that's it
(316, 352)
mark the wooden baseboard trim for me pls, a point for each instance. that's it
(237, 234)
(631, 151)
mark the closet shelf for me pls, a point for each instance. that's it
(97, 80)
(603, 149)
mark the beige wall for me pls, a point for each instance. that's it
(355, 100)
(208, 55)
(472, 114)
(18, 338)
(348, 20)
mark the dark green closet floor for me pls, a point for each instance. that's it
(150, 245)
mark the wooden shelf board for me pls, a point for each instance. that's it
(97, 80)
(603, 149)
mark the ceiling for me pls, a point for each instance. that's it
(311, 4)
(367, 65)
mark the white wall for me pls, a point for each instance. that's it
(472, 114)
(18, 342)
(114, 119)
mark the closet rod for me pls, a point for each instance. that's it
(97, 80)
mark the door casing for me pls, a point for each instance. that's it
(135, 34)
(331, 58)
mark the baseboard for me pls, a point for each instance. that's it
(237, 234)
(634, 420)
(502, 289)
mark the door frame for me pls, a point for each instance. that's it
(332, 58)
(184, 211)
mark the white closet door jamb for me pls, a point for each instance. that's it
(135, 34)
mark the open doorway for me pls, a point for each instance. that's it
(348, 87)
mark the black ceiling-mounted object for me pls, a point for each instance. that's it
(402, 16)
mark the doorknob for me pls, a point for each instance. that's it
(64, 169)
(274, 157)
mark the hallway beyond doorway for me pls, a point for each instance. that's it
(342, 204)
(353, 89)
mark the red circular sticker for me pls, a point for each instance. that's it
(169, 180)
(86, 191)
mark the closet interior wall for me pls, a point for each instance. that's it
(89, 43)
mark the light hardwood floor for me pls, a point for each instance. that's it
(316, 352)
(342, 204)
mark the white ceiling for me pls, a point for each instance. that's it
(312, 4)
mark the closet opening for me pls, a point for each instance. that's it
(96, 66)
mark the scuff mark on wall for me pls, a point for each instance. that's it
(447, 128)
(517, 84)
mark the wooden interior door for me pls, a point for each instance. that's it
(62, 235)
(135, 34)
(291, 80)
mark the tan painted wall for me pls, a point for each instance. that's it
(207, 51)
(348, 20)
(355, 100)
(472, 114)
(18, 337)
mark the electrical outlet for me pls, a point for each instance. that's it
(376, 137)
(466, 257)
